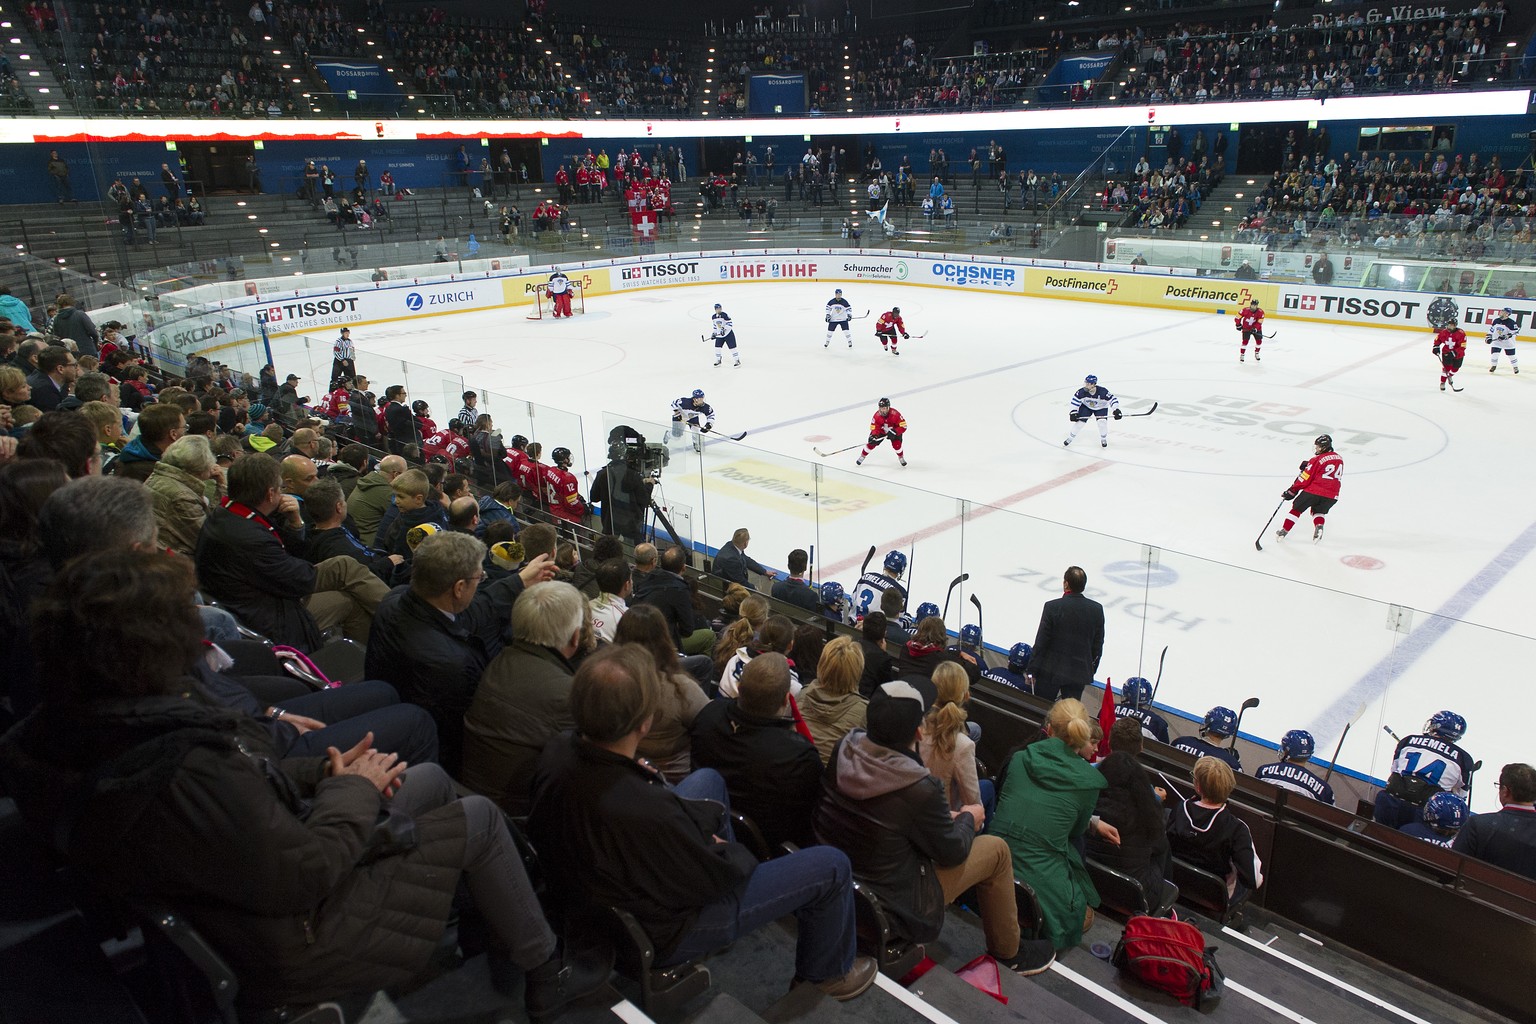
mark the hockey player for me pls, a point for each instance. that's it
(725, 334)
(1013, 673)
(1451, 346)
(693, 412)
(1316, 487)
(1092, 400)
(562, 491)
(886, 424)
(1291, 771)
(873, 585)
(1423, 765)
(530, 477)
(1220, 723)
(1250, 324)
(445, 445)
(560, 293)
(1136, 703)
(517, 454)
(838, 315)
(886, 328)
(1444, 815)
(835, 604)
(1501, 338)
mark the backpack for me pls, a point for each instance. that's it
(1171, 956)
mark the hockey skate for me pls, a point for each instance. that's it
(1256, 356)
(1493, 369)
(737, 364)
(1103, 444)
(894, 352)
(1317, 533)
(1280, 533)
(1517, 369)
(859, 461)
(1442, 385)
(903, 459)
(1067, 443)
(1242, 356)
(827, 343)
(717, 362)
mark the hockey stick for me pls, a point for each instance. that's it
(1251, 702)
(730, 437)
(1347, 726)
(977, 602)
(1452, 382)
(865, 567)
(839, 451)
(1149, 412)
(1258, 544)
(917, 337)
(865, 316)
(1388, 730)
(1163, 657)
(952, 585)
(911, 571)
(1476, 765)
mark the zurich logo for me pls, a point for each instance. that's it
(413, 301)
(1135, 574)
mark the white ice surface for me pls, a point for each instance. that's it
(1435, 513)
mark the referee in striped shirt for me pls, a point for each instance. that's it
(343, 358)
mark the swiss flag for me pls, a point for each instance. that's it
(644, 222)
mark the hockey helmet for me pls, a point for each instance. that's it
(1507, 309)
(718, 306)
(895, 563)
(420, 408)
(1297, 745)
(561, 456)
(884, 403)
(897, 310)
(1324, 442)
(1091, 379)
(1220, 721)
(837, 291)
(519, 442)
(927, 610)
(970, 635)
(1018, 656)
(831, 594)
(1445, 811)
(1448, 725)
(698, 393)
(1136, 692)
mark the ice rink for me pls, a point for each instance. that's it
(1415, 600)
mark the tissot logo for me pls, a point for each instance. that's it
(1358, 306)
(647, 271)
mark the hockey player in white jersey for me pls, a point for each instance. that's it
(724, 332)
(872, 585)
(694, 413)
(839, 313)
(1423, 765)
(1502, 333)
(1092, 401)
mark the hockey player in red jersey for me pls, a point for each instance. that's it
(446, 443)
(1251, 323)
(887, 424)
(530, 476)
(1316, 487)
(1451, 346)
(562, 491)
(886, 328)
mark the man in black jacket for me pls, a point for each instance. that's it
(1069, 640)
(731, 562)
(433, 639)
(1507, 837)
(330, 536)
(879, 666)
(56, 373)
(403, 432)
(772, 772)
(882, 808)
(795, 590)
(664, 587)
(76, 325)
(611, 832)
(248, 560)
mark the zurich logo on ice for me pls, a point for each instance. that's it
(413, 301)
(1138, 575)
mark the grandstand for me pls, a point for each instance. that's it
(503, 132)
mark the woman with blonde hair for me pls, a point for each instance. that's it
(947, 748)
(831, 705)
(1044, 807)
(751, 613)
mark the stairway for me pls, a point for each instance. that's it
(32, 67)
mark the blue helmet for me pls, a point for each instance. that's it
(1448, 725)
(1220, 721)
(895, 563)
(1018, 656)
(698, 393)
(831, 594)
(970, 636)
(1136, 692)
(1092, 378)
(1297, 745)
(1445, 811)
(927, 609)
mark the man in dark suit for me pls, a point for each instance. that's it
(794, 589)
(1069, 642)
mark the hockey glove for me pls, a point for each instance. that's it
(1289, 494)
(829, 318)
(1072, 416)
(706, 428)
(1303, 466)
(875, 439)
(906, 337)
(1117, 414)
(893, 435)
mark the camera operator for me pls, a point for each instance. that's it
(623, 486)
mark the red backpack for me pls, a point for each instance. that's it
(1171, 956)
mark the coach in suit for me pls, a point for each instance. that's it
(1069, 642)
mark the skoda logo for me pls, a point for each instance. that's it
(901, 270)
(413, 301)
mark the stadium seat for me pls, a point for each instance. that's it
(662, 989)
(895, 955)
